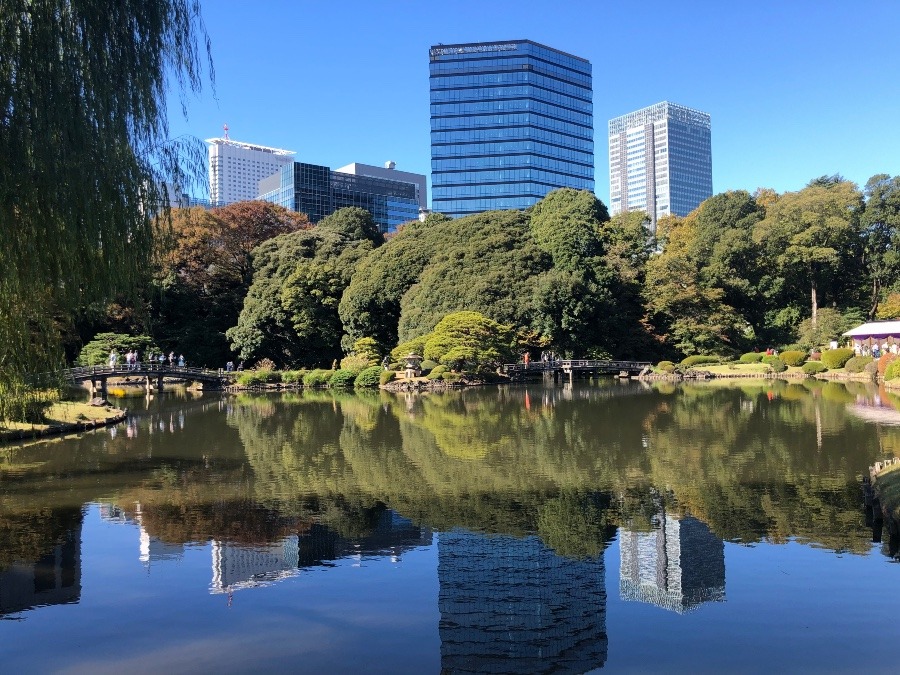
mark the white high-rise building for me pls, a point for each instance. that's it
(236, 168)
(660, 161)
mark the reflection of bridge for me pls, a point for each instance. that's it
(572, 366)
(151, 373)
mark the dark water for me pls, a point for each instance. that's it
(608, 526)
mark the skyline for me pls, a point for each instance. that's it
(793, 92)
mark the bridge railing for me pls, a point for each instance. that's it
(81, 373)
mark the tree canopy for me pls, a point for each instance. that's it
(86, 155)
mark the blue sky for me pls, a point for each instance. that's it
(795, 88)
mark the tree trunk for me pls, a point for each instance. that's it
(876, 291)
(815, 305)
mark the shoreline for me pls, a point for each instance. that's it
(57, 427)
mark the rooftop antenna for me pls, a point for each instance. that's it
(225, 127)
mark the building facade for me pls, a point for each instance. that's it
(236, 168)
(660, 161)
(318, 192)
(510, 122)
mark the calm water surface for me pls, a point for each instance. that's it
(613, 526)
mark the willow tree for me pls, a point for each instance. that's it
(83, 137)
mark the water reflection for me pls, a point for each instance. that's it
(40, 560)
(511, 605)
(678, 565)
(527, 487)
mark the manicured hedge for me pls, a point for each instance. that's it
(697, 360)
(836, 358)
(427, 366)
(775, 363)
(386, 376)
(751, 357)
(317, 378)
(342, 378)
(249, 378)
(293, 376)
(857, 364)
(813, 367)
(793, 357)
(893, 370)
(666, 366)
(368, 378)
(437, 372)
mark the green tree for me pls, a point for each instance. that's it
(83, 137)
(205, 271)
(880, 223)
(96, 352)
(811, 238)
(469, 341)
(290, 312)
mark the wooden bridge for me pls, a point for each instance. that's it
(153, 375)
(570, 367)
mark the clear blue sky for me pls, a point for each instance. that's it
(796, 88)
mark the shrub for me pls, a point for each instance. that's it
(893, 370)
(293, 376)
(427, 366)
(342, 378)
(884, 361)
(316, 378)
(250, 378)
(368, 378)
(264, 364)
(666, 366)
(793, 357)
(836, 358)
(394, 365)
(386, 376)
(698, 360)
(451, 377)
(355, 363)
(751, 357)
(857, 364)
(437, 372)
(775, 363)
(813, 367)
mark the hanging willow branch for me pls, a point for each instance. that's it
(83, 155)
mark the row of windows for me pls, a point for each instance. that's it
(492, 151)
(507, 160)
(513, 64)
(501, 79)
(509, 134)
(459, 207)
(511, 92)
(510, 175)
(512, 105)
(511, 119)
(524, 188)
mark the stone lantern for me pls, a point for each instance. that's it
(413, 365)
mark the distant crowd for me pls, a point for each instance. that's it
(132, 359)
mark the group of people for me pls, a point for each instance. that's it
(876, 350)
(133, 361)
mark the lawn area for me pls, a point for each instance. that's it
(65, 412)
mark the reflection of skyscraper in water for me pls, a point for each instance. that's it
(512, 606)
(237, 566)
(678, 565)
(54, 578)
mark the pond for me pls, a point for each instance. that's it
(601, 525)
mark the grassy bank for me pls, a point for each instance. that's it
(61, 417)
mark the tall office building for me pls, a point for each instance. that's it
(510, 122)
(236, 168)
(660, 161)
(318, 191)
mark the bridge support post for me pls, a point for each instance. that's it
(159, 383)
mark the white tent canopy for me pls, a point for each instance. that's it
(875, 329)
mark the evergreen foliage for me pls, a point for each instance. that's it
(836, 358)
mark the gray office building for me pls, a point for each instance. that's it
(660, 161)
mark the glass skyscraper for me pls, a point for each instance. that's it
(660, 161)
(318, 192)
(510, 122)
